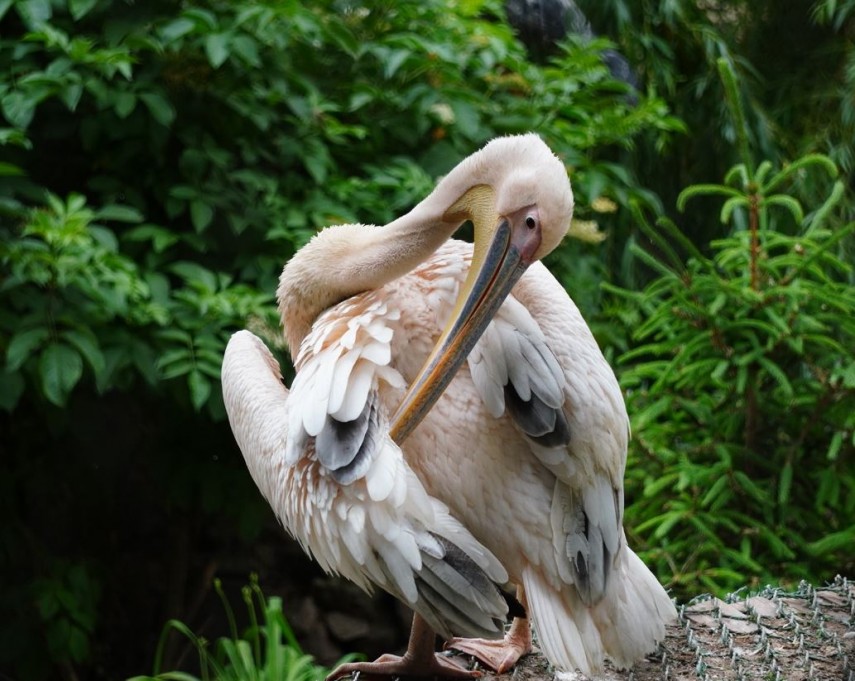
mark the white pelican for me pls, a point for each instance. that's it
(513, 468)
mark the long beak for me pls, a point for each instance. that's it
(492, 275)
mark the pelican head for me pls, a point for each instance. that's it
(520, 203)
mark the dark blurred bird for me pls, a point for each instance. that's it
(541, 24)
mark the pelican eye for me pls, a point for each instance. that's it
(530, 222)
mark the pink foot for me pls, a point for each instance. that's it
(499, 655)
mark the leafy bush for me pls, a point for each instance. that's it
(178, 167)
(742, 387)
(266, 651)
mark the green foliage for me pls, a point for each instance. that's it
(266, 651)
(163, 127)
(742, 387)
(75, 302)
(67, 602)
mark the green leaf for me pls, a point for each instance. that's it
(843, 540)
(777, 373)
(834, 447)
(762, 171)
(750, 487)
(729, 206)
(176, 29)
(818, 219)
(71, 94)
(669, 520)
(60, 368)
(466, 118)
(145, 361)
(4, 7)
(118, 213)
(192, 272)
(714, 491)
(676, 233)
(201, 215)
(392, 61)
(105, 237)
(317, 160)
(359, 100)
(78, 644)
(34, 12)
(174, 369)
(160, 238)
(124, 104)
(217, 47)
(202, 17)
(22, 345)
(789, 203)
(159, 107)
(809, 159)
(86, 342)
(705, 190)
(125, 68)
(246, 49)
(643, 417)
(651, 261)
(342, 36)
(18, 108)
(653, 488)
(80, 8)
(9, 170)
(656, 236)
(200, 389)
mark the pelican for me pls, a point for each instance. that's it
(453, 427)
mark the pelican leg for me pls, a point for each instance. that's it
(500, 655)
(418, 661)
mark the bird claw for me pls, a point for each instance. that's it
(392, 666)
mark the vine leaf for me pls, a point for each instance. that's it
(60, 367)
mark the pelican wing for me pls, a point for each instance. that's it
(616, 608)
(340, 367)
(515, 372)
(341, 486)
(538, 363)
(587, 500)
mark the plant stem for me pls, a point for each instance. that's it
(734, 103)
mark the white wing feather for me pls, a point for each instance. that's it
(382, 527)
